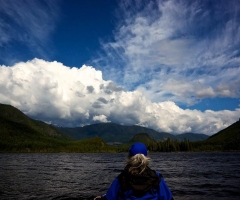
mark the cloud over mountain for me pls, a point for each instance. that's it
(67, 96)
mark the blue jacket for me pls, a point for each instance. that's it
(158, 192)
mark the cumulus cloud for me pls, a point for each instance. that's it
(55, 93)
(176, 50)
(100, 118)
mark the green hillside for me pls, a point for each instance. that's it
(167, 145)
(111, 132)
(229, 137)
(230, 133)
(142, 137)
(18, 137)
(10, 114)
(226, 140)
(19, 133)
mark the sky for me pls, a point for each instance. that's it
(169, 65)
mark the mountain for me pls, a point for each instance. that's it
(11, 115)
(111, 132)
(19, 133)
(192, 137)
(229, 137)
(232, 132)
(142, 137)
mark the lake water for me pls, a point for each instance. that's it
(82, 176)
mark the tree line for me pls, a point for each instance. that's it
(96, 145)
(169, 145)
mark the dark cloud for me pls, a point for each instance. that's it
(103, 100)
(113, 87)
(97, 105)
(110, 88)
(90, 89)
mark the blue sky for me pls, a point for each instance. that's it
(171, 65)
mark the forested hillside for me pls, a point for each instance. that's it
(192, 137)
(19, 133)
(11, 118)
(226, 140)
(111, 132)
(229, 138)
(167, 145)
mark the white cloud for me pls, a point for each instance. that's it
(67, 96)
(176, 50)
(100, 118)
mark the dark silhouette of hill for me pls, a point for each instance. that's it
(11, 117)
(229, 137)
(19, 133)
(231, 132)
(142, 137)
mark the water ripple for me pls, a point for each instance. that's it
(83, 176)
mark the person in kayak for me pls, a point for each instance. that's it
(137, 180)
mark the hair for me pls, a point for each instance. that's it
(137, 164)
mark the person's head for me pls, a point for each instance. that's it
(137, 158)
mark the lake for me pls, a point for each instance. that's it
(82, 176)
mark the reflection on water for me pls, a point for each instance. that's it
(82, 176)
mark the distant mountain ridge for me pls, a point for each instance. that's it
(19, 133)
(192, 137)
(111, 132)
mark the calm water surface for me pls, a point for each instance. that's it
(82, 176)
